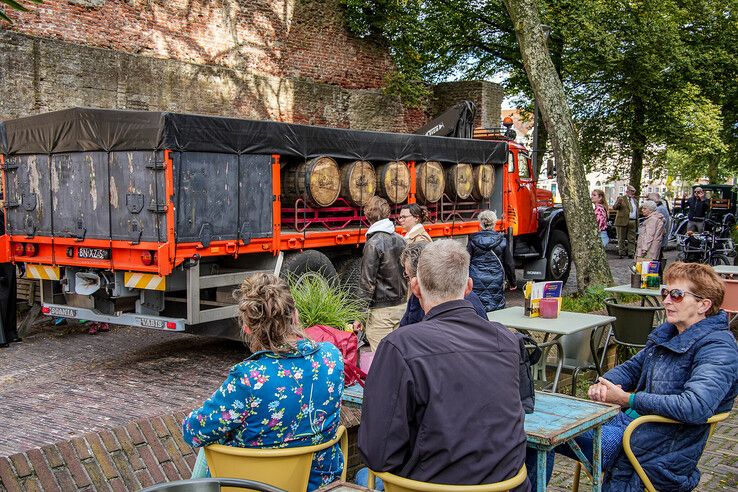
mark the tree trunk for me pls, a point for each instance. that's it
(713, 173)
(638, 143)
(589, 255)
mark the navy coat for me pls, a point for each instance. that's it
(687, 377)
(487, 250)
(414, 312)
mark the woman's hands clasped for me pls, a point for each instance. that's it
(604, 391)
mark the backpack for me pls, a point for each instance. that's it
(348, 344)
(530, 354)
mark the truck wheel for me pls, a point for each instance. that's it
(558, 265)
(310, 260)
(349, 273)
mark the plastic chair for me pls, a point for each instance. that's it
(394, 483)
(582, 353)
(648, 419)
(211, 485)
(730, 301)
(632, 325)
(288, 468)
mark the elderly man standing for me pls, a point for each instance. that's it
(626, 222)
(381, 272)
(442, 401)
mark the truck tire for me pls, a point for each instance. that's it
(310, 260)
(349, 274)
(558, 256)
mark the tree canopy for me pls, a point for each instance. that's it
(631, 69)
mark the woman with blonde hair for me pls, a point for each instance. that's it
(490, 263)
(286, 394)
(600, 208)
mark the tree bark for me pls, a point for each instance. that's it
(589, 255)
(638, 143)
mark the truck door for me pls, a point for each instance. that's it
(523, 194)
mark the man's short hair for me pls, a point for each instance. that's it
(654, 196)
(631, 188)
(410, 256)
(443, 271)
(376, 209)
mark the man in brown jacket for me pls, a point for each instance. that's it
(626, 222)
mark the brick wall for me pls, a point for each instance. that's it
(126, 458)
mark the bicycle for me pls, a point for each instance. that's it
(713, 247)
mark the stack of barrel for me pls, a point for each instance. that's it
(321, 180)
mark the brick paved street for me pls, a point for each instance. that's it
(62, 383)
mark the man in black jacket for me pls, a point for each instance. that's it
(381, 272)
(442, 402)
(697, 211)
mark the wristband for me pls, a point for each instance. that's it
(631, 399)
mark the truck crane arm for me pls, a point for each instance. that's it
(457, 121)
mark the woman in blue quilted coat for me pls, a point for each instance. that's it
(286, 394)
(490, 264)
(688, 372)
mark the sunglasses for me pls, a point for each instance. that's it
(677, 295)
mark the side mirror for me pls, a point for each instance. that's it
(550, 170)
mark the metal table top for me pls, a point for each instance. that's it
(627, 289)
(726, 269)
(566, 324)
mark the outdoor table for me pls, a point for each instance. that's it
(648, 296)
(557, 419)
(726, 269)
(568, 323)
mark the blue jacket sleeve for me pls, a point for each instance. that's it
(628, 373)
(384, 434)
(220, 414)
(713, 375)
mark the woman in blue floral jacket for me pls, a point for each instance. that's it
(287, 394)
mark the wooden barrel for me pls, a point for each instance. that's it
(459, 181)
(358, 182)
(484, 181)
(317, 181)
(429, 182)
(393, 181)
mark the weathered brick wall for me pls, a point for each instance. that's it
(126, 458)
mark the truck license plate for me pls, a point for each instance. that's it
(94, 253)
(63, 312)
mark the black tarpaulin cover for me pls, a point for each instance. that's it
(83, 129)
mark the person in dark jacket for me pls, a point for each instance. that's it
(381, 278)
(441, 401)
(697, 206)
(490, 263)
(414, 311)
(8, 297)
(688, 372)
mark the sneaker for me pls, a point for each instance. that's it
(104, 327)
(93, 329)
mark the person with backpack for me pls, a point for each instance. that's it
(490, 264)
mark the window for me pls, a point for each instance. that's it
(523, 166)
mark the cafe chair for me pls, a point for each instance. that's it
(730, 301)
(287, 468)
(583, 352)
(394, 483)
(211, 485)
(648, 419)
(632, 325)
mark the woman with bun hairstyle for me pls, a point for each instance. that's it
(411, 219)
(286, 394)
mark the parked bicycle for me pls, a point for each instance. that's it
(713, 247)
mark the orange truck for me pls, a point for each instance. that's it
(151, 219)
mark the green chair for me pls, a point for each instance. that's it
(632, 324)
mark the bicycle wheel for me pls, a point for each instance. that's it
(719, 259)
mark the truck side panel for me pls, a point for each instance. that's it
(28, 195)
(222, 196)
(79, 195)
(136, 186)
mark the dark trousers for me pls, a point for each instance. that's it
(8, 300)
(627, 238)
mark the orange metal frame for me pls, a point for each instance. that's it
(127, 256)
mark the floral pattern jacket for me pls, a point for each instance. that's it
(278, 401)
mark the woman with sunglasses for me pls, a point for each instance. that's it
(411, 220)
(688, 371)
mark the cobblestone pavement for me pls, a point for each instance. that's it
(63, 383)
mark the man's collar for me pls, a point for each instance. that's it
(445, 307)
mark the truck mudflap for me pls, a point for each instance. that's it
(129, 319)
